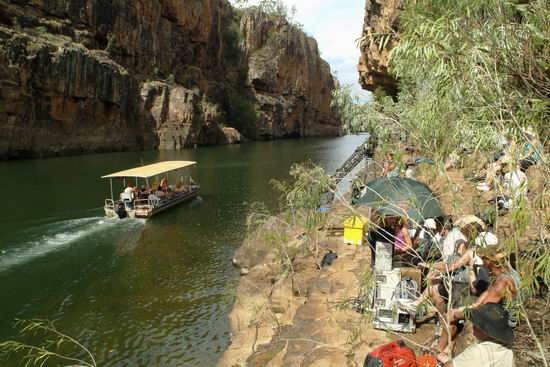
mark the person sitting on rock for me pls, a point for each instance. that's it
(532, 150)
(443, 277)
(390, 167)
(503, 290)
(515, 187)
(402, 237)
(494, 337)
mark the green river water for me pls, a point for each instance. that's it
(136, 293)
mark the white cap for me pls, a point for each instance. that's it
(486, 239)
(430, 223)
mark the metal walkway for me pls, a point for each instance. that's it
(365, 150)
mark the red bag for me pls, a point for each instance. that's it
(395, 354)
(427, 360)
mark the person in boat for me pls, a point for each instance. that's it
(137, 193)
(144, 192)
(180, 187)
(153, 199)
(127, 196)
(128, 192)
(159, 192)
(164, 185)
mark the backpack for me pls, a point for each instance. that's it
(328, 259)
(391, 355)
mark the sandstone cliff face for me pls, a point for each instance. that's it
(290, 82)
(381, 18)
(82, 76)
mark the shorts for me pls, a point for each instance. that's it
(461, 291)
(481, 283)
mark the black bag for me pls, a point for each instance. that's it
(328, 259)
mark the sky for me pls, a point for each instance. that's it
(336, 25)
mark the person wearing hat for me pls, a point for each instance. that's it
(514, 186)
(494, 336)
(532, 150)
(506, 282)
(503, 290)
(428, 238)
(461, 231)
(481, 276)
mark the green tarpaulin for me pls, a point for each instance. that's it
(396, 196)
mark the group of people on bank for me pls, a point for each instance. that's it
(470, 275)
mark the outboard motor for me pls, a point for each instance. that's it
(121, 211)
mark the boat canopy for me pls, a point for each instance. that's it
(151, 169)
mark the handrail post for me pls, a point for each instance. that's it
(112, 197)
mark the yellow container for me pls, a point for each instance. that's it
(354, 230)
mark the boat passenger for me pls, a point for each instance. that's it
(137, 193)
(159, 192)
(127, 196)
(164, 185)
(180, 187)
(154, 199)
(144, 192)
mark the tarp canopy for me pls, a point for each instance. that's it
(151, 169)
(397, 196)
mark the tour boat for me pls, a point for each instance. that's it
(146, 190)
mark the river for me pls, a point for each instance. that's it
(137, 293)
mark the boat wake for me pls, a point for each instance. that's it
(57, 236)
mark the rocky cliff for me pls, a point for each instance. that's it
(94, 75)
(290, 82)
(381, 21)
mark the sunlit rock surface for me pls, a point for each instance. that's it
(83, 76)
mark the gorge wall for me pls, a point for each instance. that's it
(381, 20)
(81, 76)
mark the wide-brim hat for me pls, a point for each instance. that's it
(496, 254)
(471, 220)
(485, 239)
(430, 223)
(492, 319)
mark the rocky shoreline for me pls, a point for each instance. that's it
(306, 318)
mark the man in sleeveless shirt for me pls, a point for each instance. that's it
(503, 290)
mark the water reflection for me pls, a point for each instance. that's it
(136, 292)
